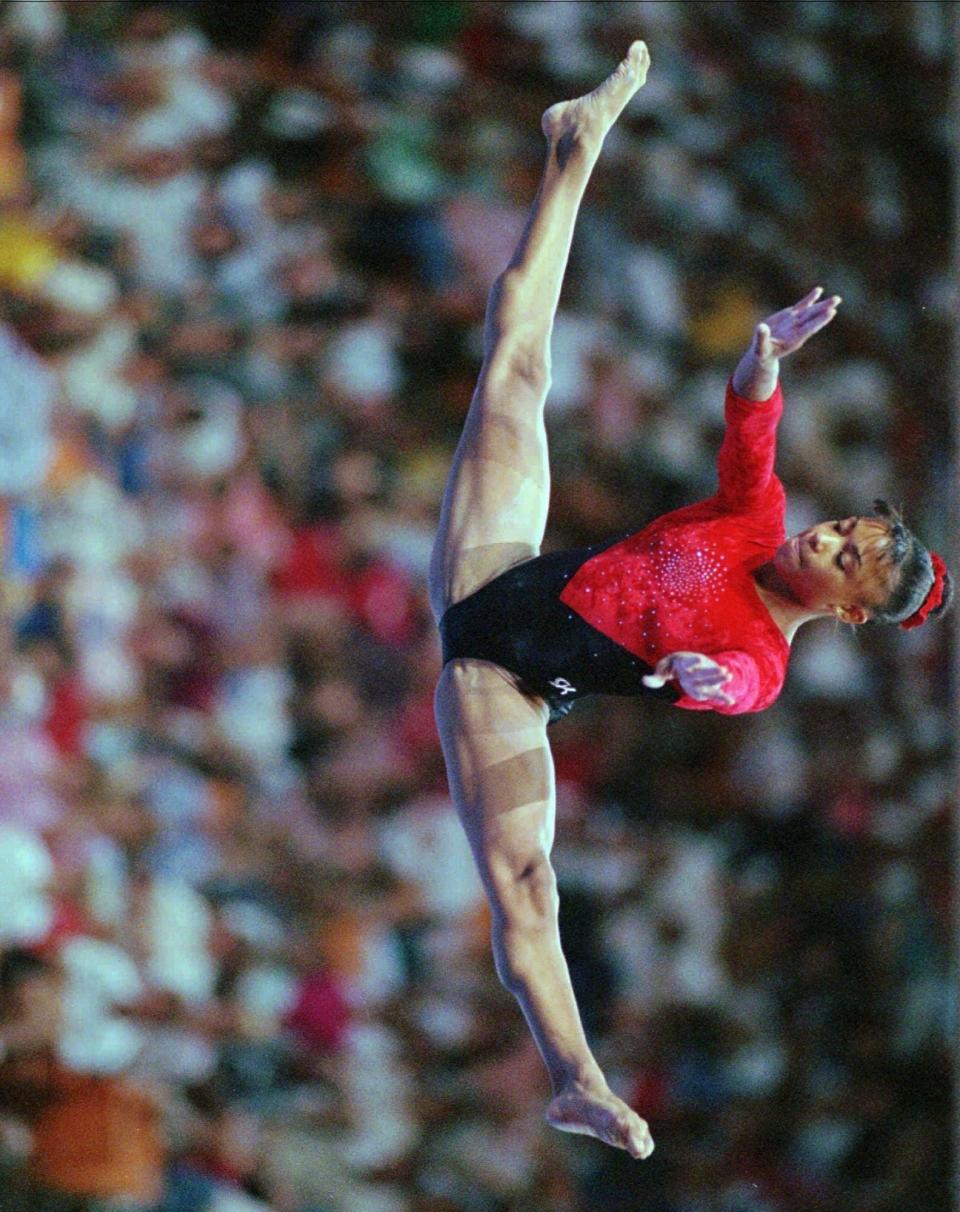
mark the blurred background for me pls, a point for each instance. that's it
(244, 959)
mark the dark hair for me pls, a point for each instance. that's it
(916, 572)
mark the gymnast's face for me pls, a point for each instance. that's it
(842, 568)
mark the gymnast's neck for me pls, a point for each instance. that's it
(785, 610)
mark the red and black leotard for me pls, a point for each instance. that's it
(594, 621)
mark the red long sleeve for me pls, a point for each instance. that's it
(749, 448)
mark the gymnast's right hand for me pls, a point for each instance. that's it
(697, 675)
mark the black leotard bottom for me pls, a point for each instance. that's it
(518, 622)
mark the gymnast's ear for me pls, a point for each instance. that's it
(851, 614)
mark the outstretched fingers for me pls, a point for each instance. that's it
(807, 300)
(785, 331)
(814, 317)
(819, 317)
(813, 308)
(702, 678)
(698, 675)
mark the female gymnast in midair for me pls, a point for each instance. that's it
(700, 606)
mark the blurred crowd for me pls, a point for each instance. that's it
(244, 956)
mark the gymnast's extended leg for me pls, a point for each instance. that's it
(493, 515)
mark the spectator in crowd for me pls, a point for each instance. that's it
(243, 266)
(95, 1135)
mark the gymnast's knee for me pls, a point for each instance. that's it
(525, 923)
(526, 901)
(516, 338)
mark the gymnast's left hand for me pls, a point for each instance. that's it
(785, 331)
(697, 675)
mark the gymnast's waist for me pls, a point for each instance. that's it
(548, 647)
(467, 630)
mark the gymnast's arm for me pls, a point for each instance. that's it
(754, 403)
(733, 683)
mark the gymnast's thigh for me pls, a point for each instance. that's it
(499, 766)
(497, 494)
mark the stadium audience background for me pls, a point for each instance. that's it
(244, 255)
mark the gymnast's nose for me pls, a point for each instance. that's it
(827, 541)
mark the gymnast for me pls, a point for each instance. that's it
(698, 607)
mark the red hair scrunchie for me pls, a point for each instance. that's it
(933, 598)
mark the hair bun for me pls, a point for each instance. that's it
(938, 596)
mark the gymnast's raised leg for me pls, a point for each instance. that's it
(493, 516)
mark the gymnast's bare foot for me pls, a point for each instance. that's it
(581, 124)
(595, 1110)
